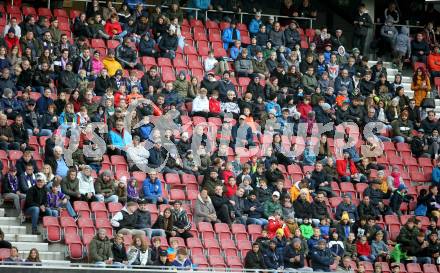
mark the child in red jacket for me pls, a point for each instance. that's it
(364, 250)
(114, 29)
(214, 104)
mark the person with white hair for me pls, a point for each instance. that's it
(58, 163)
(86, 184)
(137, 155)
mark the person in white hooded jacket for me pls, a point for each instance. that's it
(200, 104)
(86, 184)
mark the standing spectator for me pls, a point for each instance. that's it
(104, 188)
(419, 49)
(230, 35)
(36, 203)
(181, 223)
(362, 22)
(402, 47)
(292, 36)
(11, 188)
(421, 85)
(254, 25)
(100, 249)
(388, 34)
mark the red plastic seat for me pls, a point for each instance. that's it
(180, 241)
(233, 262)
(413, 268)
(112, 44)
(425, 162)
(195, 245)
(68, 224)
(52, 229)
(29, 11)
(60, 13)
(239, 232)
(244, 245)
(74, 13)
(82, 208)
(334, 201)
(98, 43)
(4, 253)
(430, 268)
(211, 24)
(172, 179)
(394, 231)
(105, 224)
(164, 62)
(15, 155)
(99, 209)
(45, 12)
(177, 194)
(223, 231)
(418, 177)
(217, 261)
(168, 74)
(200, 260)
(114, 207)
(227, 244)
(86, 225)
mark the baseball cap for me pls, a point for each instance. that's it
(276, 193)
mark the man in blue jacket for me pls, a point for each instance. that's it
(152, 188)
(321, 257)
(242, 134)
(230, 35)
(254, 25)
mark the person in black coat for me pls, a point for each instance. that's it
(294, 255)
(168, 45)
(319, 208)
(20, 133)
(320, 180)
(102, 82)
(36, 203)
(67, 78)
(147, 46)
(302, 206)
(366, 209)
(222, 206)
(254, 259)
(273, 257)
(25, 160)
(256, 88)
(118, 250)
(210, 83)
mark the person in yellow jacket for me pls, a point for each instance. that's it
(295, 191)
(420, 85)
(111, 64)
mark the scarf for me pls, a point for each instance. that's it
(396, 177)
(13, 183)
(132, 192)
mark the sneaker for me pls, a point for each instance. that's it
(36, 232)
(22, 217)
(76, 218)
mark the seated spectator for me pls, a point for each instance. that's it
(181, 223)
(33, 258)
(114, 29)
(395, 179)
(364, 250)
(7, 140)
(273, 256)
(124, 221)
(346, 168)
(182, 261)
(204, 210)
(230, 35)
(436, 174)
(10, 105)
(243, 65)
(419, 49)
(127, 56)
(147, 46)
(321, 257)
(212, 64)
(104, 188)
(152, 188)
(57, 201)
(70, 185)
(139, 253)
(100, 249)
(137, 155)
(379, 249)
(119, 138)
(11, 189)
(36, 203)
(168, 44)
(347, 206)
(118, 250)
(14, 257)
(111, 65)
(235, 50)
(143, 221)
(86, 184)
(254, 258)
(3, 242)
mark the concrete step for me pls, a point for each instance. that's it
(13, 229)
(2, 212)
(45, 255)
(24, 238)
(26, 246)
(9, 221)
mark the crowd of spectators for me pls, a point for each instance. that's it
(287, 84)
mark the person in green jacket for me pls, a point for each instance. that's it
(100, 249)
(306, 229)
(272, 205)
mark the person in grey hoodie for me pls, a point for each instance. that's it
(276, 36)
(402, 47)
(243, 65)
(388, 34)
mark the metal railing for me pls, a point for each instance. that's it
(83, 268)
(205, 12)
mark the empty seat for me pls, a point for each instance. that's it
(413, 268)
(82, 208)
(52, 229)
(99, 209)
(429, 268)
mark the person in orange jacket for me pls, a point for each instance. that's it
(434, 61)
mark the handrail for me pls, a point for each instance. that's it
(310, 19)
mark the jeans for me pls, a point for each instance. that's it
(120, 36)
(153, 232)
(43, 132)
(69, 209)
(16, 199)
(370, 258)
(399, 139)
(153, 200)
(111, 199)
(257, 221)
(34, 212)
(6, 146)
